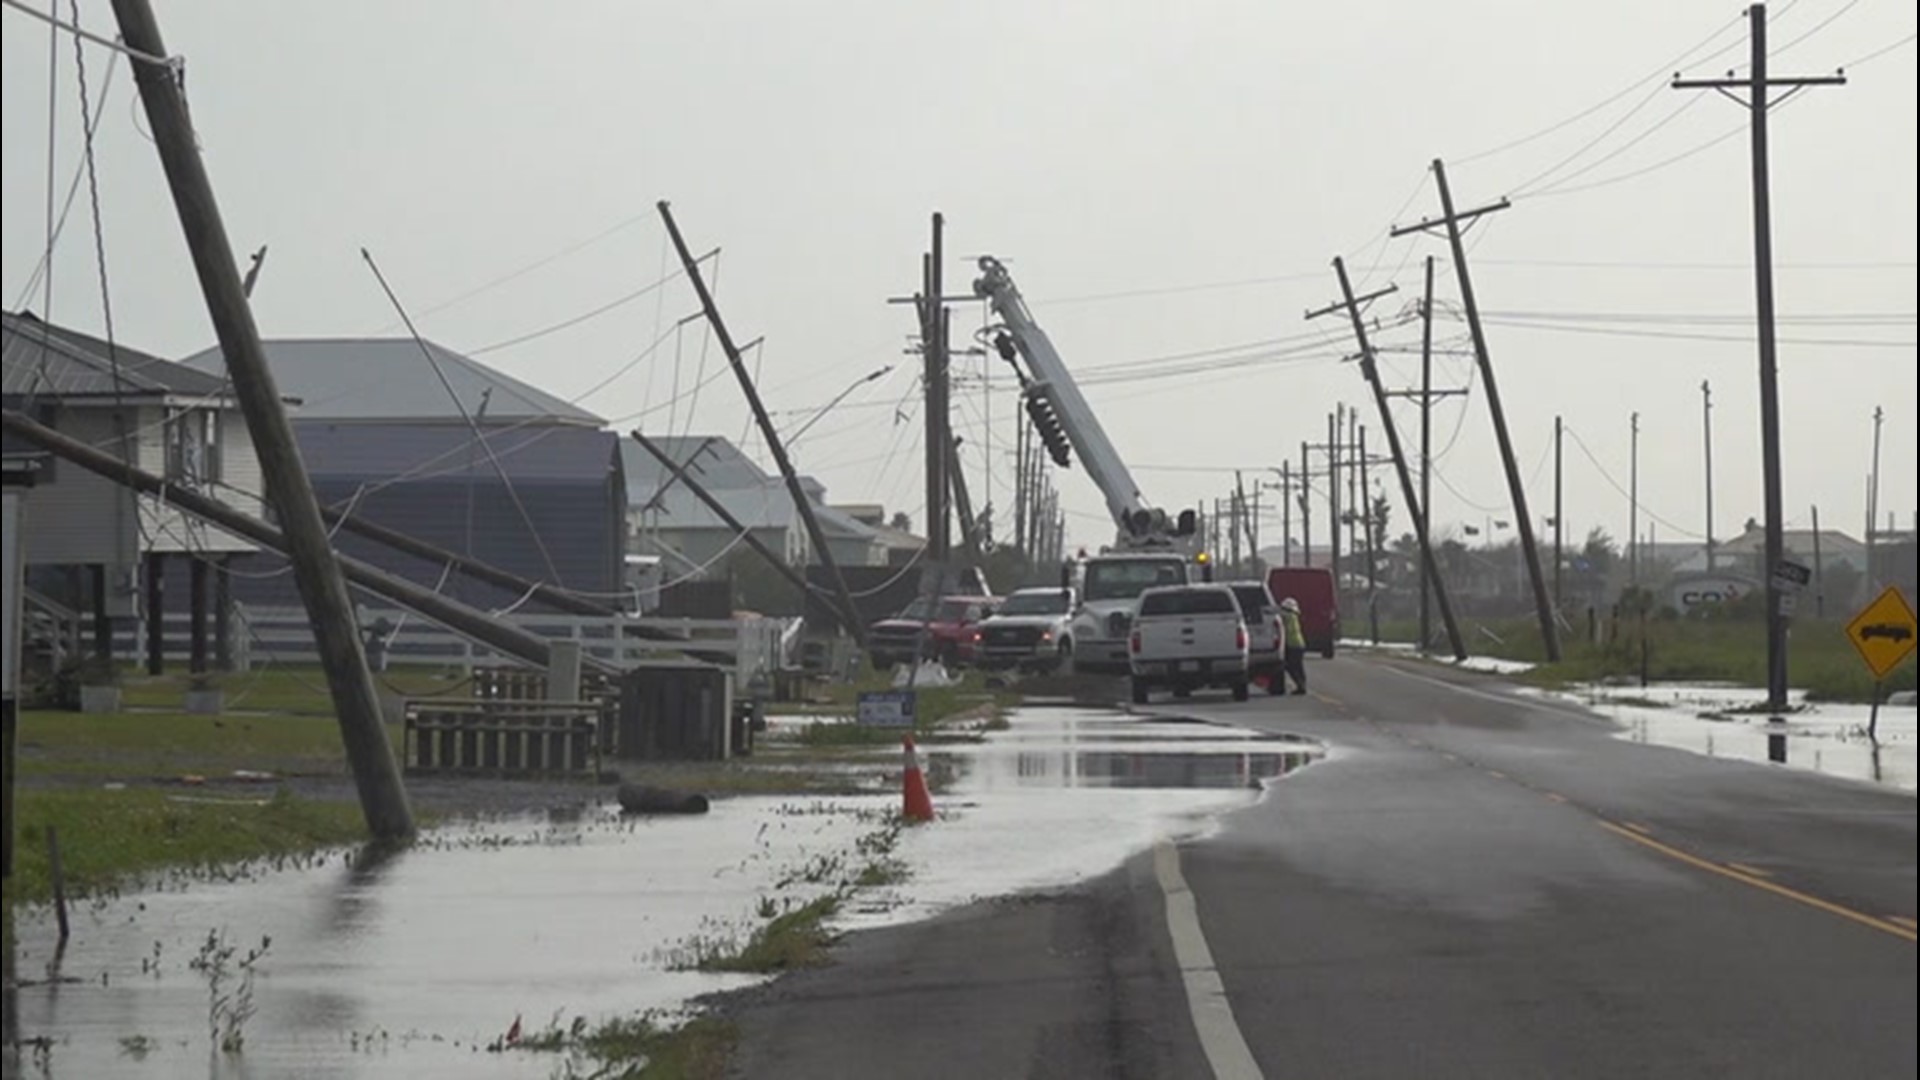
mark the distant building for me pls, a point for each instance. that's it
(498, 470)
(669, 520)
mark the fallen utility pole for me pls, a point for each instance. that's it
(1757, 83)
(843, 609)
(1416, 509)
(317, 573)
(801, 504)
(1542, 603)
(458, 617)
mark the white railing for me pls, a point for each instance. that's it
(283, 635)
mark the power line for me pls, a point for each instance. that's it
(1624, 493)
(1658, 73)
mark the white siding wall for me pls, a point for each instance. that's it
(78, 516)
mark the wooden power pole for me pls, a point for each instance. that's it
(383, 796)
(1415, 508)
(801, 503)
(1543, 604)
(1757, 82)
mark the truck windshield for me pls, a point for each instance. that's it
(1189, 602)
(1126, 579)
(1047, 603)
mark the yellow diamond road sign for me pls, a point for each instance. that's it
(1884, 632)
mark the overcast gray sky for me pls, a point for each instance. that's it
(1163, 180)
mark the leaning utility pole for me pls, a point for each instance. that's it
(1543, 607)
(376, 775)
(801, 504)
(962, 501)
(844, 613)
(1757, 83)
(1416, 509)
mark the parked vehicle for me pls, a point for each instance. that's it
(1312, 588)
(1187, 637)
(948, 625)
(1110, 588)
(1031, 630)
(1266, 639)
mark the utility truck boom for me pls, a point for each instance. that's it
(1150, 549)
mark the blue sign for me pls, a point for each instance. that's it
(886, 708)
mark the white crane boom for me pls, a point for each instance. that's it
(1056, 406)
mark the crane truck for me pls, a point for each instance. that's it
(1150, 548)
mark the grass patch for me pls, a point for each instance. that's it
(636, 1048)
(296, 688)
(112, 839)
(1820, 658)
(146, 745)
(796, 939)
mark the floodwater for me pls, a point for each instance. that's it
(1717, 720)
(415, 963)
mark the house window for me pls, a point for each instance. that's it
(193, 446)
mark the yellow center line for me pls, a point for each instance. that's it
(1883, 925)
(1902, 920)
(1496, 774)
(1637, 827)
(1745, 869)
(1556, 798)
(1335, 702)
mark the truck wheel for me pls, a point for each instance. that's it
(1240, 690)
(1139, 692)
(1326, 650)
(1277, 684)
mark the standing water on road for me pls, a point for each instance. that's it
(415, 963)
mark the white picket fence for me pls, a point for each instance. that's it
(751, 647)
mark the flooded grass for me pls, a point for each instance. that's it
(636, 1048)
(1823, 661)
(110, 840)
(791, 940)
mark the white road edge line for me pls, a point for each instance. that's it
(1220, 1037)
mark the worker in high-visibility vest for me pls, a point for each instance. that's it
(1296, 644)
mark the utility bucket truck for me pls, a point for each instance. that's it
(1149, 549)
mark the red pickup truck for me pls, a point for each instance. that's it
(948, 625)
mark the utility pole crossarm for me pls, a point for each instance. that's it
(1460, 217)
(1736, 82)
(1355, 303)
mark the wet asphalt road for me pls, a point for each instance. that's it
(1471, 885)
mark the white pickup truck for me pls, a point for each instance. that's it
(1185, 637)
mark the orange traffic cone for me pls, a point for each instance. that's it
(919, 802)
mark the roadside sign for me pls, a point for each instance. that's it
(1791, 576)
(885, 708)
(1884, 632)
